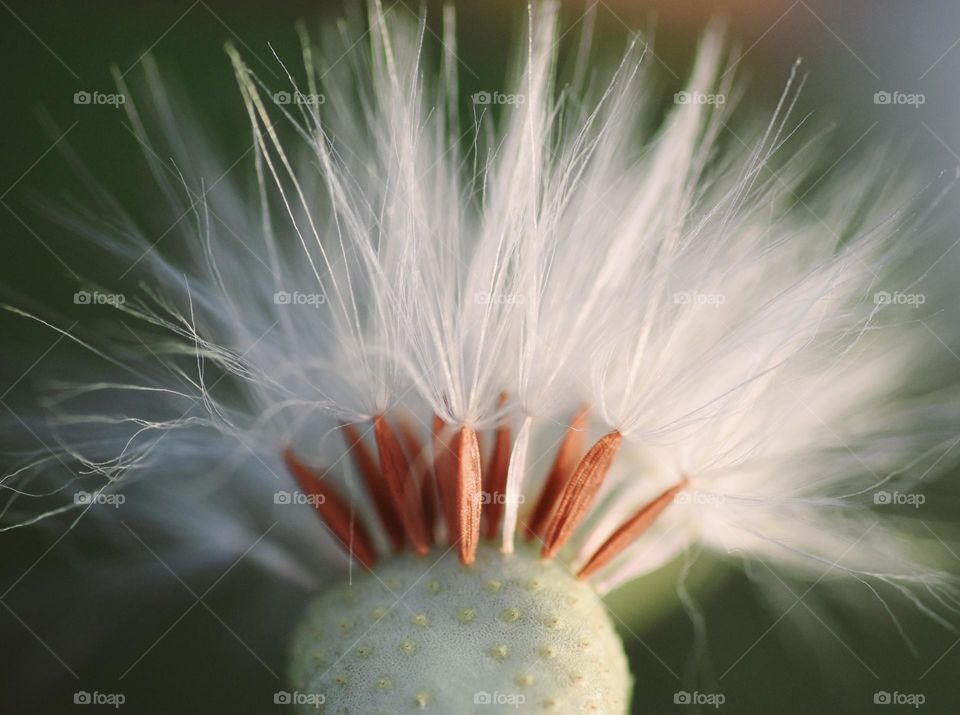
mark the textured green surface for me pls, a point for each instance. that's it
(508, 632)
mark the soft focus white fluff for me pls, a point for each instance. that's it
(573, 249)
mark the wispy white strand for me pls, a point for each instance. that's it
(516, 471)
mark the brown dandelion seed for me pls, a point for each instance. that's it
(564, 464)
(630, 531)
(580, 491)
(401, 485)
(495, 479)
(445, 474)
(375, 484)
(333, 510)
(469, 490)
(423, 471)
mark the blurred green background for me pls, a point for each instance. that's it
(759, 659)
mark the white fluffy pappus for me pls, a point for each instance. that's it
(497, 273)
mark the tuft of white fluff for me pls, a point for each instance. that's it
(569, 248)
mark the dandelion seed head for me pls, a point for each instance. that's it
(568, 329)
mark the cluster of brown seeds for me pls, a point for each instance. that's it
(414, 490)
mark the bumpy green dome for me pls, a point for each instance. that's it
(509, 634)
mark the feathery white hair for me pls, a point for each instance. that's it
(572, 250)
